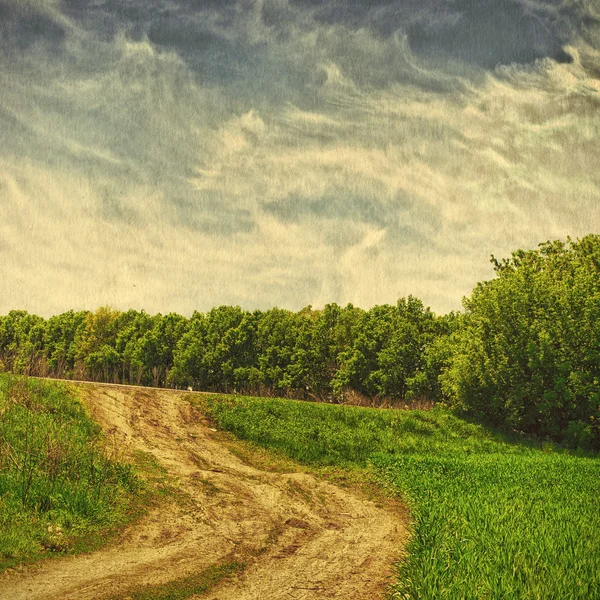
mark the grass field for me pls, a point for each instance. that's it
(492, 517)
(59, 490)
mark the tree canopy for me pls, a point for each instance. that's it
(527, 353)
(327, 354)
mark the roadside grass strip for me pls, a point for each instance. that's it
(60, 492)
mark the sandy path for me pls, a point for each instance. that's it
(301, 537)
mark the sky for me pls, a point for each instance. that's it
(176, 155)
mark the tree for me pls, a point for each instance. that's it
(528, 353)
(59, 342)
(388, 355)
(95, 345)
(132, 326)
(21, 342)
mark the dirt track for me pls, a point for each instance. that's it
(301, 537)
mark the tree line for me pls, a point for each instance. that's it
(524, 353)
(329, 354)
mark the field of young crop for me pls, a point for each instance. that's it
(492, 517)
(58, 488)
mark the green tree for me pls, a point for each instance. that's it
(59, 342)
(388, 355)
(96, 351)
(528, 353)
(21, 342)
(276, 337)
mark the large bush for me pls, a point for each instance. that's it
(528, 353)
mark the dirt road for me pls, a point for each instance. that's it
(300, 537)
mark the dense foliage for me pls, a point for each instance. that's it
(58, 487)
(527, 354)
(330, 354)
(493, 516)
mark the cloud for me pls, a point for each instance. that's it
(26, 23)
(180, 155)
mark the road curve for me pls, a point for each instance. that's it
(300, 536)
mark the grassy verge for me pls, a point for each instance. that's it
(59, 490)
(493, 517)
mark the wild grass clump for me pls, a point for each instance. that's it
(187, 587)
(58, 486)
(493, 516)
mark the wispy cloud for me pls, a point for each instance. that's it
(174, 157)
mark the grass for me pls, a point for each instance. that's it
(499, 526)
(180, 589)
(59, 490)
(493, 517)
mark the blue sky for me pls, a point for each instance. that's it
(175, 155)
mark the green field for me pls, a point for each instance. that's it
(493, 517)
(59, 490)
